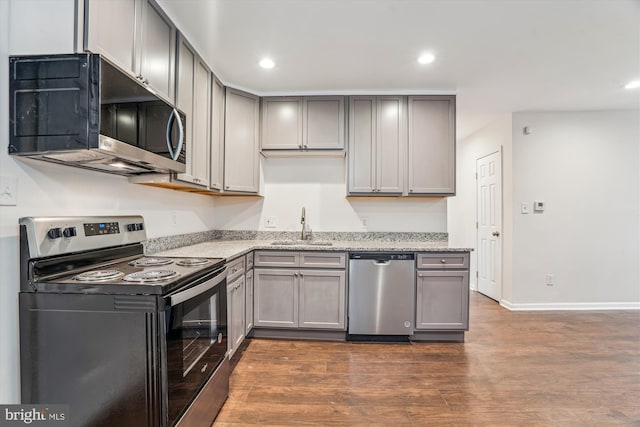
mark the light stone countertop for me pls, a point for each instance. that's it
(230, 249)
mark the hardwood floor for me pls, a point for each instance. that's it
(515, 368)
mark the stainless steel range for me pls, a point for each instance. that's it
(122, 338)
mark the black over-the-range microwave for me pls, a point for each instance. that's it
(80, 110)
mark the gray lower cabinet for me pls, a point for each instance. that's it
(236, 304)
(248, 315)
(275, 298)
(442, 292)
(236, 313)
(321, 299)
(307, 296)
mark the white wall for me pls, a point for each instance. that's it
(319, 185)
(48, 189)
(585, 167)
(496, 136)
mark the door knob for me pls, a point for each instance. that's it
(496, 233)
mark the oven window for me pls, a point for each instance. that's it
(199, 332)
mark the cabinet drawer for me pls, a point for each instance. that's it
(323, 259)
(249, 261)
(235, 269)
(276, 259)
(443, 260)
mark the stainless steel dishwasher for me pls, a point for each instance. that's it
(381, 296)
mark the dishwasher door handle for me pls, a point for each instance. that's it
(382, 263)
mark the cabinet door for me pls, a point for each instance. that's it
(217, 135)
(157, 57)
(184, 100)
(241, 163)
(432, 145)
(322, 299)
(390, 145)
(248, 302)
(236, 316)
(281, 123)
(362, 141)
(442, 300)
(111, 30)
(201, 124)
(323, 122)
(275, 298)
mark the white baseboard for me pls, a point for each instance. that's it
(552, 306)
(473, 286)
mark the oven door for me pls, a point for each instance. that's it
(196, 338)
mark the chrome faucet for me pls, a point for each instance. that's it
(303, 221)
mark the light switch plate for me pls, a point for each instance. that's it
(8, 191)
(524, 208)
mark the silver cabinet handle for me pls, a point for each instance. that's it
(444, 261)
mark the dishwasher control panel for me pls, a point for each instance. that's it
(383, 256)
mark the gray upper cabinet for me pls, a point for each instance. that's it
(431, 145)
(216, 161)
(241, 142)
(377, 141)
(281, 123)
(111, 30)
(157, 55)
(193, 97)
(136, 36)
(323, 123)
(302, 123)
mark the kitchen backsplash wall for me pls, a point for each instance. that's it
(319, 185)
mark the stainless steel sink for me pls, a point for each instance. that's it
(301, 242)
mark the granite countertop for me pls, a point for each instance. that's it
(230, 249)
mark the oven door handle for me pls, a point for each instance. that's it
(182, 296)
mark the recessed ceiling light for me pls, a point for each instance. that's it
(426, 58)
(633, 85)
(267, 63)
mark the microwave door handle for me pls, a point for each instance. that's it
(174, 154)
(180, 297)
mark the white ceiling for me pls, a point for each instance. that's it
(498, 56)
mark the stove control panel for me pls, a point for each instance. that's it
(48, 236)
(98, 228)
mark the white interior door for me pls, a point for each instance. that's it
(489, 220)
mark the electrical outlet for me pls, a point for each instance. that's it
(270, 222)
(364, 221)
(549, 279)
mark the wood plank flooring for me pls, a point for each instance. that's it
(515, 368)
